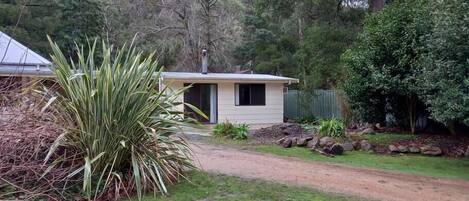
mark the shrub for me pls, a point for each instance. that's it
(231, 131)
(332, 128)
(118, 122)
(309, 119)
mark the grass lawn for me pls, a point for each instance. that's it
(386, 138)
(204, 186)
(413, 164)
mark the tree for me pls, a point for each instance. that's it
(67, 21)
(30, 22)
(383, 65)
(300, 38)
(445, 71)
(178, 29)
(80, 19)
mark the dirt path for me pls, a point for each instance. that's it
(361, 182)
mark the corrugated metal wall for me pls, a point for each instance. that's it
(319, 103)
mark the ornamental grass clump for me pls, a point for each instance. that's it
(119, 122)
(332, 128)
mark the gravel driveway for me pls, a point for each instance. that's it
(360, 182)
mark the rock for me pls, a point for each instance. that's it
(313, 143)
(287, 143)
(294, 141)
(301, 142)
(309, 138)
(378, 126)
(368, 131)
(392, 148)
(467, 152)
(336, 149)
(403, 149)
(356, 145)
(279, 142)
(326, 141)
(414, 149)
(430, 150)
(365, 145)
(348, 146)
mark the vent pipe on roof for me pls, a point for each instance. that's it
(204, 61)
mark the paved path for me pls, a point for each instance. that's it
(361, 182)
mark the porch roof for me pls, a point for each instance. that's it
(186, 76)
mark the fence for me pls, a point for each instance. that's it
(319, 103)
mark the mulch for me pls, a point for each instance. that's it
(271, 134)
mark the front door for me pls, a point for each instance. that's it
(204, 97)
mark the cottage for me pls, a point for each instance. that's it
(238, 98)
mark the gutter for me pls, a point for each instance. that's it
(39, 70)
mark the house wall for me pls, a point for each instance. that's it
(271, 112)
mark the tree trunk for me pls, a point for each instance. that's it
(452, 127)
(412, 111)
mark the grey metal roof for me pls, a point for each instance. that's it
(18, 60)
(14, 53)
(226, 76)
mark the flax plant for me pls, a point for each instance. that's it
(119, 121)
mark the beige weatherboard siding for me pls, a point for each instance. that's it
(227, 110)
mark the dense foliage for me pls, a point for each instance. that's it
(410, 61)
(300, 38)
(445, 64)
(68, 21)
(120, 124)
(231, 131)
(383, 64)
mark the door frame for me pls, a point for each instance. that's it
(215, 107)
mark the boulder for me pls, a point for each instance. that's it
(313, 143)
(430, 150)
(356, 145)
(392, 148)
(287, 143)
(414, 149)
(308, 138)
(294, 141)
(336, 149)
(365, 145)
(301, 142)
(326, 141)
(348, 146)
(403, 148)
(368, 131)
(280, 141)
(467, 152)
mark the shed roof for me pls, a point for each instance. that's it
(226, 76)
(14, 53)
(18, 60)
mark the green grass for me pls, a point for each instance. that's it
(413, 164)
(204, 186)
(386, 138)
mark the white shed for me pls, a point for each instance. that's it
(237, 98)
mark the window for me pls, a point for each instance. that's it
(249, 94)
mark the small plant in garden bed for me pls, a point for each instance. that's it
(333, 128)
(231, 131)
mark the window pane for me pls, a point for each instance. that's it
(258, 94)
(244, 94)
